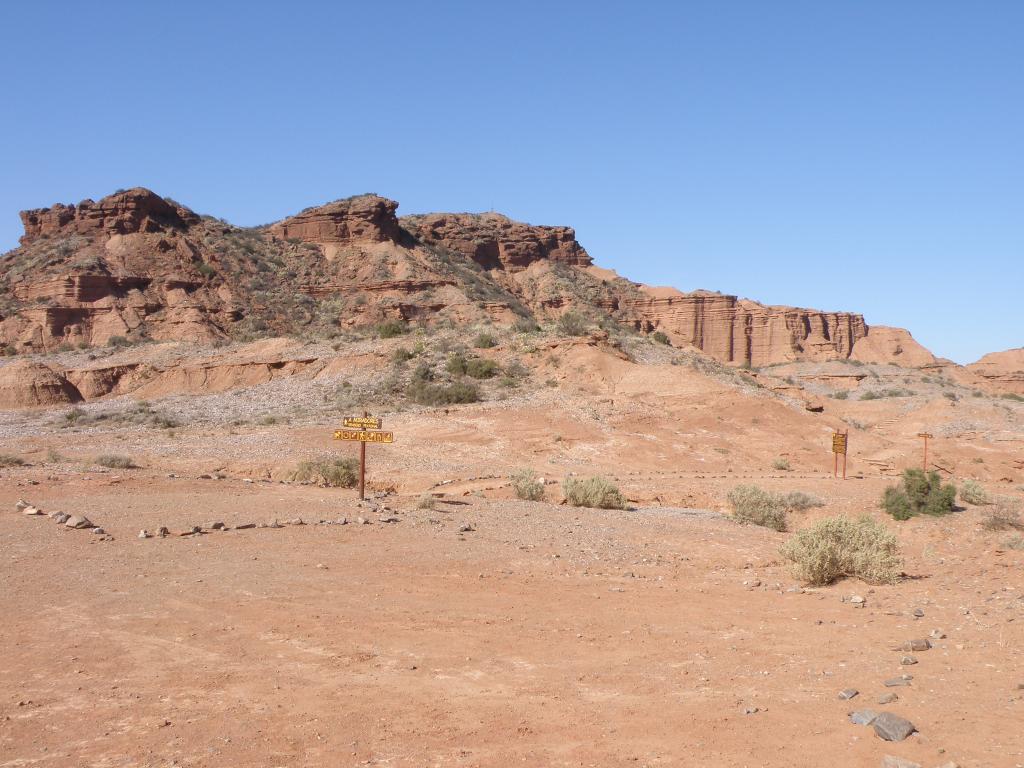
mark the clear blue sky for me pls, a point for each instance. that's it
(862, 155)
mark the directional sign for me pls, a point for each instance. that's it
(361, 422)
(838, 442)
(926, 435)
(364, 435)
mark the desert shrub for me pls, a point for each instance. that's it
(972, 492)
(516, 370)
(572, 324)
(426, 501)
(1002, 518)
(478, 368)
(527, 485)
(115, 461)
(1014, 542)
(485, 341)
(54, 456)
(842, 394)
(329, 471)
(456, 364)
(661, 337)
(392, 328)
(919, 493)
(402, 355)
(837, 547)
(525, 325)
(7, 460)
(597, 491)
(118, 341)
(751, 504)
(1013, 396)
(782, 464)
(442, 394)
(206, 270)
(800, 501)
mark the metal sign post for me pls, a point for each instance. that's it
(363, 429)
(926, 436)
(839, 443)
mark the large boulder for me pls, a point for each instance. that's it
(28, 384)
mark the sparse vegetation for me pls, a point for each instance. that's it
(426, 501)
(880, 393)
(782, 464)
(485, 341)
(752, 505)
(9, 460)
(1002, 518)
(525, 325)
(972, 492)
(1013, 396)
(329, 471)
(457, 392)
(572, 324)
(842, 394)
(919, 494)
(838, 547)
(479, 368)
(115, 461)
(392, 328)
(798, 501)
(596, 491)
(527, 485)
(661, 338)
(401, 355)
(1014, 542)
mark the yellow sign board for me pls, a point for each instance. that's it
(925, 434)
(364, 435)
(361, 422)
(838, 442)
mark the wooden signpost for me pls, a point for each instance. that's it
(363, 429)
(839, 443)
(926, 436)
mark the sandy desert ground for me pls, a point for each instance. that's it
(544, 634)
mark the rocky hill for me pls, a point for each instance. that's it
(139, 266)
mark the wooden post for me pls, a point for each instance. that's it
(362, 466)
(925, 453)
(835, 465)
(847, 433)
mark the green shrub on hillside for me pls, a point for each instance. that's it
(918, 493)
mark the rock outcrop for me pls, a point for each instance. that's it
(1003, 369)
(892, 345)
(496, 242)
(133, 210)
(360, 219)
(743, 332)
(28, 384)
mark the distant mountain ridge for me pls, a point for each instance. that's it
(138, 265)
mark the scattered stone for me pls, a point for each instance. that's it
(30, 510)
(889, 761)
(857, 601)
(321, 566)
(218, 526)
(918, 613)
(863, 717)
(275, 524)
(466, 528)
(144, 534)
(908, 660)
(206, 477)
(244, 526)
(362, 521)
(950, 764)
(341, 521)
(297, 521)
(937, 634)
(920, 644)
(99, 531)
(892, 727)
(888, 698)
(77, 521)
(20, 504)
(752, 583)
(162, 531)
(391, 519)
(61, 517)
(750, 710)
(848, 693)
(896, 682)
(195, 530)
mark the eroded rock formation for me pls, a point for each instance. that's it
(360, 219)
(1003, 369)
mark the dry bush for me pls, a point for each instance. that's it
(782, 464)
(597, 491)
(1002, 518)
(837, 547)
(527, 485)
(330, 472)
(799, 501)
(115, 461)
(426, 501)
(972, 492)
(751, 504)
(7, 460)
